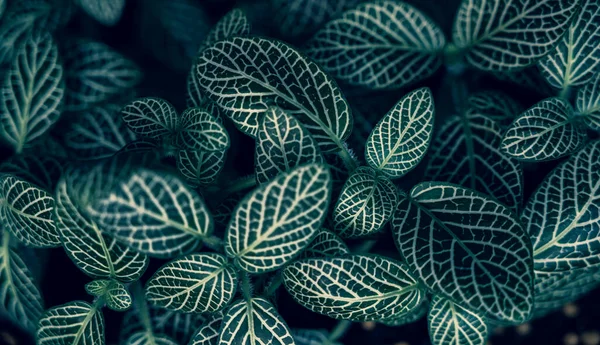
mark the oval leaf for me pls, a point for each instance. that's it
(326, 243)
(74, 323)
(107, 12)
(208, 333)
(200, 167)
(199, 130)
(451, 324)
(151, 117)
(113, 292)
(588, 103)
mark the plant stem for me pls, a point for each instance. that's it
(349, 161)
(214, 243)
(240, 184)
(565, 93)
(246, 287)
(274, 285)
(340, 329)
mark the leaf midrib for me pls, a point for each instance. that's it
(88, 318)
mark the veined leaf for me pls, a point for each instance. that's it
(467, 152)
(467, 247)
(151, 117)
(74, 323)
(405, 318)
(107, 12)
(98, 133)
(529, 77)
(200, 167)
(400, 139)
(32, 92)
(326, 243)
(153, 213)
(451, 324)
(312, 337)
(113, 292)
(254, 322)
(282, 143)
(26, 211)
(234, 23)
(379, 45)
(19, 296)
(495, 105)
(588, 103)
(259, 70)
(545, 131)
(576, 58)
(145, 338)
(353, 287)
(199, 130)
(276, 221)
(501, 35)
(193, 283)
(365, 204)
(208, 333)
(562, 215)
(40, 169)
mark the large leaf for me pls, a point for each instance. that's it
(548, 130)
(114, 293)
(265, 72)
(326, 243)
(400, 139)
(272, 224)
(32, 92)
(151, 117)
(107, 12)
(467, 247)
(234, 23)
(208, 333)
(193, 283)
(282, 143)
(199, 130)
(26, 211)
(200, 167)
(379, 45)
(576, 58)
(153, 213)
(588, 103)
(451, 324)
(365, 204)
(255, 321)
(19, 294)
(562, 215)
(500, 35)
(74, 323)
(353, 287)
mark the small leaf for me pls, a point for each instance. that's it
(193, 283)
(588, 103)
(505, 35)
(26, 211)
(276, 221)
(312, 337)
(451, 324)
(455, 237)
(545, 131)
(326, 243)
(365, 204)
(200, 167)
(496, 106)
(362, 288)
(400, 139)
(114, 293)
(282, 143)
(199, 130)
(379, 45)
(208, 333)
(255, 321)
(107, 12)
(74, 323)
(234, 23)
(151, 117)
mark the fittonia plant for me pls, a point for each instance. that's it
(120, 181)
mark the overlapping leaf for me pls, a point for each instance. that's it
(272, 224)
(38, 168)
(208, 333)
(326, 243)
(107, 12)
(199, 130)
(151, 117)
(32, 92)
(264, 72)
(495, 105)
(200, 167)
(400, 139)
(467, 247)
(405, 318)
(545, 131)
(312, 337)
(353, 287)
(529, 77)
(114, 293)
(282, 143)
(451, 324)
(193, 283)
(502, 35)
(255, 321)
(74, 323)
(588, 103)
(145, 338)
(234, 23)
(379, 45)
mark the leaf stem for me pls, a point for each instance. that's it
(215, 243)
(565, 93)
(366, 246)
(340, 329)
(274, 284)
(140, 302)
(349, 161)
(246, 286)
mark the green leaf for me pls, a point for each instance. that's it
(193, 283)
(255, 321)
(326, 243)
(199, 130)
(562, 215)
(276, 221)
(93, 252)
(362, 288)
(466, 152)
(38, 168)
(403, 318)
(107, 12)
(95, 73)
(312, 337)
(200, 167)
(588, 103)
(97, 133)
(234, 23)
(208, 333)
(32, 92)
(20, 298)
(576, 58)
(282, 143)
(365, 204)
(451, 324)
(167, 218)
(259, 73)
(379, 45)
(400, 139)
(26, 211)
(530, 78)
(145, 338)
(467, 247)
(74, 323)
(495, 105)
(545, 131)
(113, 292)
(151, 117)
(504, 35)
